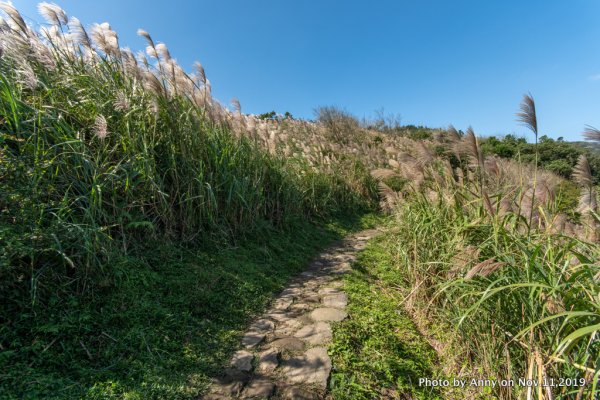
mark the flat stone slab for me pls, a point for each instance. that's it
(268, 361)
(215, 396)
(338, 300)
(288, 343)
(288, 328)
(336, 284)
(257, 333)
(230, 384)
(300, 307)
(242, 360)
(259, 388)
(328, 314)
(280, 316)
(290, 292)
(312, 368)
(283, 303)
(315, 334)
(328, 290)
(312, 298)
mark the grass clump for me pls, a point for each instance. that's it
(378, 352)
(523, 305)
(495, 248)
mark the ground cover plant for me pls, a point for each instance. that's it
(379, 352)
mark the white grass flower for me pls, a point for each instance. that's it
(105, 38)
(27, 77)
(200, 71)
(163, 51)
(122, 102)
(14, 16)
(52, 13)
(101, 127)
(151, 51)
(78, 33)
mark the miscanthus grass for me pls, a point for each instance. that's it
(105, 152)
(487, 245)
(103, 149)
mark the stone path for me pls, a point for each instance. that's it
(284, 352)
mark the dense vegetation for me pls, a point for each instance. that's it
(142, 223)
(121, 179)
(514, 272)
(557, 156)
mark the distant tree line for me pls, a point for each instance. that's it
(273, 116)
(557, 155)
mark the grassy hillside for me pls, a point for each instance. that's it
(142, 224)
(139, 231)
(514, 266)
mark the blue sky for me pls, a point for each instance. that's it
(434, 62)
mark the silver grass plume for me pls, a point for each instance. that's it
(141, 58)
(200, 71)
(121, 103)
(491, 166)
(236, 105)
(587, 202)
(582, 173)
(54, 35)
(27, 77)
(591, 133)
(383, 173)
(146, 35)
(152, 52)
(100, 127)
(52, 13)
(152, 83)
(453, 134)
(454, 141)
(484, 268)
(42, 53)
(130, 64)
(472, 149)
(105, 38)
(527, 115)
(79, 34)
(4, 26)
(15, 16)
(163, 51)
(389, 197)
(462, 259)
(425, 155)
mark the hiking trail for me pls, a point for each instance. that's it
(283, 353)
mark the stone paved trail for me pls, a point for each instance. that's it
(283, 354)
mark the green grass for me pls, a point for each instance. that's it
(378, 352)
(533, 314)
(166, 321)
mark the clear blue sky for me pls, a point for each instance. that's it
(435, 62)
